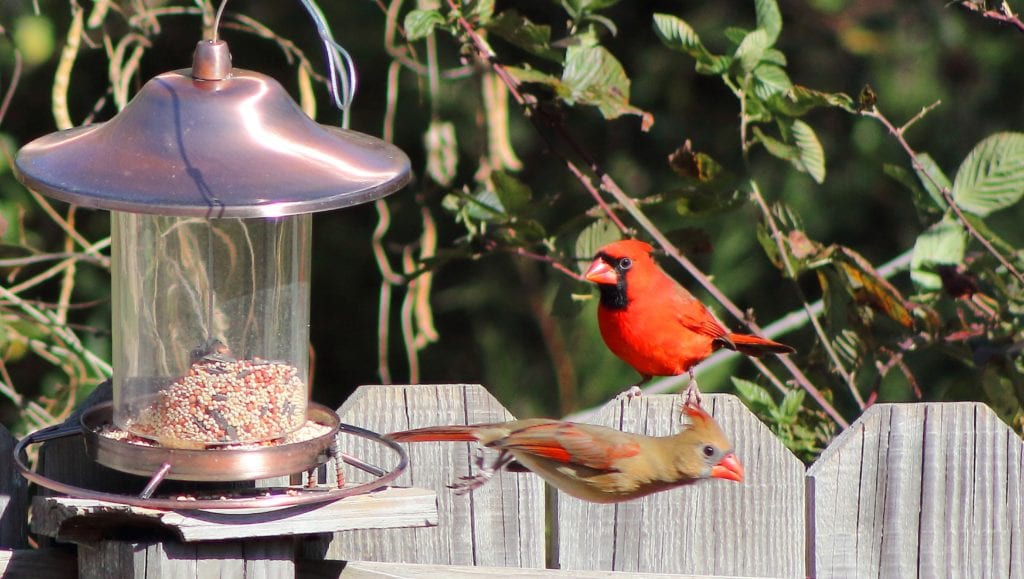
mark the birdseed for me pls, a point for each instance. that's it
(226, 401)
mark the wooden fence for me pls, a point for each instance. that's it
(907, 490)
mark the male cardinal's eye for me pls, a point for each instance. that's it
(625, 263)
(709, 451)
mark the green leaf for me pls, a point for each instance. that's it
(485, 206)
(770, 80)
(512, 192)
(593, 238)
(929, 168)
(992, 175)
(678, 35)
(751, 50)
(797, 101)
(520, 31)
(481, 11)
(593, 76)
(420, 24)
(922, 201)
(442, 152)
(778, 148)
(756, 397)
(774, 56)
(791, 403)
(735, 34)
(812, 155)
(942, 243)
(768, 18)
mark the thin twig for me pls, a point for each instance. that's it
(1004, 14)
(898, 132)
(629, 204)
(784, 256)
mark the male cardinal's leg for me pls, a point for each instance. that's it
(634, 390)
(692, 393)
(484, 473)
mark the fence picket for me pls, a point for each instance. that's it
(919, 490)
(710, 528)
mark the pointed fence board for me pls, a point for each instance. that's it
(919, 490)
(753, 528)
(500, 524)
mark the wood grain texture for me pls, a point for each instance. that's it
(715, 527)
(13, 497)
(500, 524)
(254, 559)
(376, 570)
(919, 490)
(46, 563)
(85, 520)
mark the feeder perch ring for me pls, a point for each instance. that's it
(270, 498)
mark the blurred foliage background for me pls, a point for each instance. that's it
(477, 256)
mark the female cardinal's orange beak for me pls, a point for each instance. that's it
(728, 468)
(601, 273)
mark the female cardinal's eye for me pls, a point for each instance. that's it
(625, 263)
(709, 451)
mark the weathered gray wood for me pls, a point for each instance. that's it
(501, 524)
(84, 519)
(919, 490)
(376, 570)
(713, 527)
(13, 497)
(253, 559)
(50, 563)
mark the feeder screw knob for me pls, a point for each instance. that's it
(211, 60)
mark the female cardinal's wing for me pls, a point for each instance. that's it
(594, 447)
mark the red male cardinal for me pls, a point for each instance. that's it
(653, 323)
(595, 463)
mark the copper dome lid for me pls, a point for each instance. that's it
(212, 142)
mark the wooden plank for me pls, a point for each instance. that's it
(376, 570)
(74, 519)
(919, 490)
(49, 563)
(500, 524)
(13, 497)
(255, 559)
(713, 527)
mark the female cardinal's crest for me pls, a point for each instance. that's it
(698, 417)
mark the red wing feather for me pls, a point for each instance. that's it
(571, 444)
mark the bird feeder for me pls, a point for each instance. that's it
(211, 175)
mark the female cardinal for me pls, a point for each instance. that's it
(653, 323)
(595, 463)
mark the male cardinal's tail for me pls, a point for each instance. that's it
(444, 433)
(755, 346)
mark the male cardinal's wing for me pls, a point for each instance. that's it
(571, 443)
(693, 315)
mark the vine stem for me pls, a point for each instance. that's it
(1003, 14)
(755, 192)
(898, 133)
(608, 184)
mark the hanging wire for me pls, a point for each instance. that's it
(216, 20)
(341, 70)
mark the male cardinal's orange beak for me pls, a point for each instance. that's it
(602, 273)
(728, 468)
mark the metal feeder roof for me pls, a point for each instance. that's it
(212, 142)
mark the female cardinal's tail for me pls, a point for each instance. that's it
(755, 346)
(436, 433)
